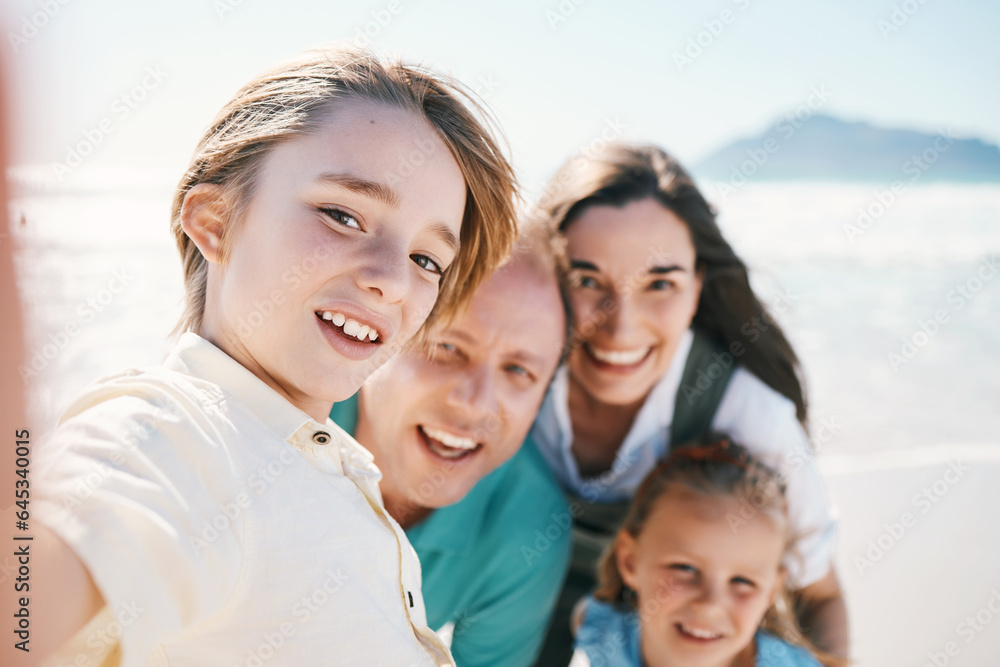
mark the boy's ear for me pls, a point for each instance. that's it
(625, 558)
(202, 219)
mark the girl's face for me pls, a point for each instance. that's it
(635, 292)
(337, 260)
(702, 583)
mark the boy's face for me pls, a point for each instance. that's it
(439, 422)
(336, 262)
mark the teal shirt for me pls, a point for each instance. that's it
(492, 563)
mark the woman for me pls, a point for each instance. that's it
(672, 342)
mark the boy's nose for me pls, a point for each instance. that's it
(386, 270)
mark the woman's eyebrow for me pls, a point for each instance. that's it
(362, 186)
(666, 269)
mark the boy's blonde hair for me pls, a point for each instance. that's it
(294, 99)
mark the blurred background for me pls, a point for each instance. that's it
(850, 148)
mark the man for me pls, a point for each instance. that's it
(445, 421)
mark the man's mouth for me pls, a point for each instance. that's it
(448, 445)
(349, 328)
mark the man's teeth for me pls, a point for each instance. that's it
(700, 634)
(619, 357)
(351, 327)
(450, 440)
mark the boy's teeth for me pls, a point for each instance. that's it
(351, 327)
(450, 440)
(619, 357)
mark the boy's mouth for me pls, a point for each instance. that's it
(344, 325)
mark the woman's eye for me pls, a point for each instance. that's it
(658, 285)
(425, 262)
(447, 347)
(586, 281)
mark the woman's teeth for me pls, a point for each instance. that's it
(351, 327)
(619, 357)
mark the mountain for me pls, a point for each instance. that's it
(821, 147)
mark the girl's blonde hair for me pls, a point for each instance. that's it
(714, 466)
(294, 99)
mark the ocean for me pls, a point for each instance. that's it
(892, 305)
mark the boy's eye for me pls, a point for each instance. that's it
(425, 262)
(342, 217)
(683, 568)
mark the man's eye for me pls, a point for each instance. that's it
(518, 370)
(341, 217)
(425, 262)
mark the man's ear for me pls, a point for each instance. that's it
(202, 219)
(625, 558)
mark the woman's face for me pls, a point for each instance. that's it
(337, 261)
(635, 289)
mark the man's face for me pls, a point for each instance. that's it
(439, 419)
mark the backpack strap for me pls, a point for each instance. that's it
(706, 375)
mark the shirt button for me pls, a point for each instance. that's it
(321, 437)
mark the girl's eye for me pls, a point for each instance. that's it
(683, 568)
(425, 262)
(342, 217)
(447, 348)
(743, 581)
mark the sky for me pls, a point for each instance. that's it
(558, 74)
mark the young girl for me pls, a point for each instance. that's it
(206, 511)
(695, 575)
(671, 342)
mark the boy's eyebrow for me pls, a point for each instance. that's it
(363, 186)
(444, 232)
(387, 196)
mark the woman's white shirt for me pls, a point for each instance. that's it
(750, 412)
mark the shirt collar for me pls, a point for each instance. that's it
(654, 417)
(226, 378)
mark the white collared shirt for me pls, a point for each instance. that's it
(750, 412)
(224, 526)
